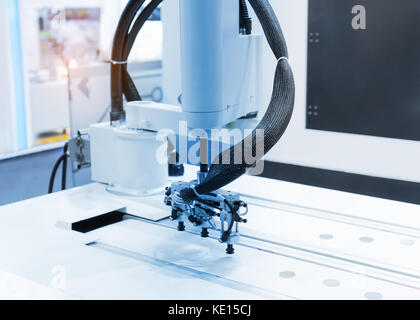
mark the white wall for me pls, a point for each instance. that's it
(382, 157)
(7, 107)
(171, 56)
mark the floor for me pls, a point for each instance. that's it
(28, 176)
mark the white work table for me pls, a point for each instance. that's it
(300, 242)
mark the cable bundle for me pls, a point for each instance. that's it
(125, 36)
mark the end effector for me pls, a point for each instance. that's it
(205, 210)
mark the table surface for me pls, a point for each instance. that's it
(300, 242)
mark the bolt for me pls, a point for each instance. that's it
(181, 226)
(230, 249)
(205, 233)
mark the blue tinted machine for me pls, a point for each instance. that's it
(221, 88)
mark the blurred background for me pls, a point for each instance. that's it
(55, 61)
(63, 63)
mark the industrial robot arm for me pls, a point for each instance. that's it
(202, 200)
(274, 122)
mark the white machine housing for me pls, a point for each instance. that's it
(221, 82)
(221, 68)
(127, 159)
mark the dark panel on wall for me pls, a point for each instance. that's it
(364, 81)
(366, 185)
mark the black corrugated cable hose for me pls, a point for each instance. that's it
(121, 81)
(245, 21)
(275, 121)
(129, 88)
(118, 83)
(64, 172)
(63, 159)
